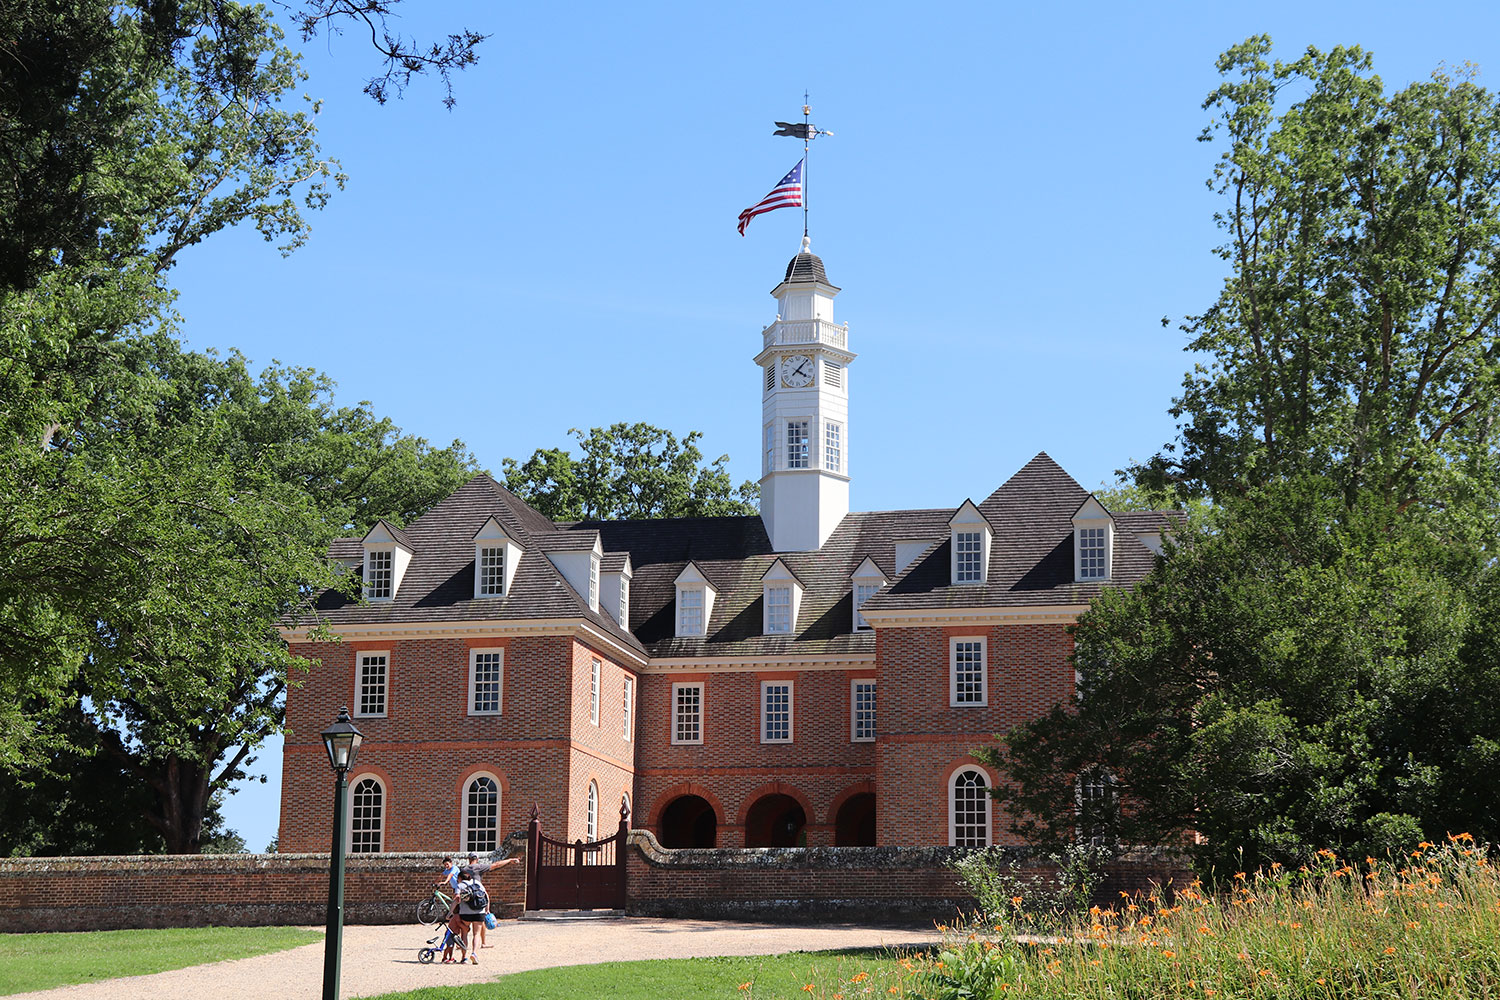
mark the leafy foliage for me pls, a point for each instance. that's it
(629, 471)
(1354, 336)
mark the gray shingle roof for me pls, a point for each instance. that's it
(1031, 564)
(806, 267)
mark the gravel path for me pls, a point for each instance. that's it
(383, 959)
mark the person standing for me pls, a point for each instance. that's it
(469, 905)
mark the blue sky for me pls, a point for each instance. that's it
(1013, 199)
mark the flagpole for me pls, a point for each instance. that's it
(806, 152)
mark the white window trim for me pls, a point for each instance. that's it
(702, 593)
(479, 550)
(984, 551)
(837, 428)
(702, 705)
(984, 671)
(627, 708)
(388, 548)
(591, 814)
(854, 686)
(359, 658)
(989, 804)
(593, 583)
(812, 444)
(596, 667)
(1109, 549)
(791, 710)
(791, 611)
(463, 808)
(868, 581)
(385, 810)
(474, 680)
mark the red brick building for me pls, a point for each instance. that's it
(806, 676)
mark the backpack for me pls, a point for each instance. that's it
(477, 898)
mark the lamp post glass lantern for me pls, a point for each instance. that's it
(342, 741)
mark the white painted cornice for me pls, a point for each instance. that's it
(376, 631)
(731, 664)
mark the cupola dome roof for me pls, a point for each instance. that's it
(806, 267)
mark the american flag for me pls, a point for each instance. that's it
(786, 194)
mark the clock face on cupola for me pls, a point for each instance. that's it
(796, 371)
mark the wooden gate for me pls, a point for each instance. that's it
(576, 876)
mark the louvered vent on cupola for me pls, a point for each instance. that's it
(833, 374)
(770, 377)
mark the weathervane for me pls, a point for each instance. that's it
(807, 132)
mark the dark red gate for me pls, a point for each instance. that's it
(576, 876)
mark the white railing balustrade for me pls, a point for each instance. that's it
(807, 331)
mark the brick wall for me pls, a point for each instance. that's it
(239, 890)
(922, 740)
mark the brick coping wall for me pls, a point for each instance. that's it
(867, 884)
(239, 890)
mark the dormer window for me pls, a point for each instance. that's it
(491, 568)
(614, 586)
(624, 601)
(689, 610)
(971, 534)
(594, 583)
(380, 573)
(782, 593)
(387, 553)
(496, 556)
(867, 581)
(1093, 542)
(695, 602)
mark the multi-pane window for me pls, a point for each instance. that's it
(593, 583)
(687, 713)
(379, 573)
(370, 684)
(482, 815)
(862, 711)
(770, 448)
(690, 611)
(366, 816)
(492, 571)
(833, 447)
(776, 711)
(1091, 542)
(624, 602)
(798, 446)
(967, 683)
(1097, 803)
(591, 829)
(594, 692)
(862, 593)
(969, 810)
(486, 667)
(778, 609)
(968, 549)
(627, 706)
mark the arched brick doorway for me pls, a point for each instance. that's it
(854, 826)
(688, 821)
(776, 821)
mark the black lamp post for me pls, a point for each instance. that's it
(342, 741)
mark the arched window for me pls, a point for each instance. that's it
(366, 816)
(629, 809)
(969, 809)
(592, 830)
(482, 814)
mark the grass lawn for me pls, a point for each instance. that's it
(756, 977)
(41, 961)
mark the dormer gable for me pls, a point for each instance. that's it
(579, 564)
(496, 556)
(1093, 543)
(695, 601)
(971, 536)
(614, 587)
(782, 593)
(387, 553)
(865, 582)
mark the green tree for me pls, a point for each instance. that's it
(1294, 675)
(1354, 335)
(1309, 665)
(629, 471)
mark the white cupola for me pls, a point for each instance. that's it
(804, 360)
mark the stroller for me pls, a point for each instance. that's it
(451, 936)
